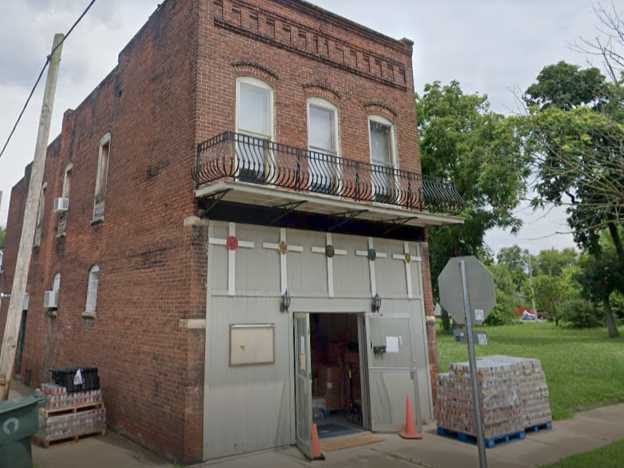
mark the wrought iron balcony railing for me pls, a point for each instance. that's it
(254, 160)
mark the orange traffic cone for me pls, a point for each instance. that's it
(315, 451)
(409, 431)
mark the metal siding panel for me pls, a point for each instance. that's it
(252, 408)
(390, 273)
(258, 269)
(251, 405)
(351, 277)
(307, 271)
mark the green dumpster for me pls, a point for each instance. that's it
(19, 420)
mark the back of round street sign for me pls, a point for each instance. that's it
(480, 285)
(467, 292)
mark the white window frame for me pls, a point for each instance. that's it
(66, 189)
(259, 84)
(324, 104)
(40, 215)
(102, 179)
(56, 282)
(265, 86)
(91, 304)
(393, 143)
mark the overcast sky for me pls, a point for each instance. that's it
(490, 46)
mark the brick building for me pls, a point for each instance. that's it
(233, 230)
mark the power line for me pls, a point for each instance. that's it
(43, 69)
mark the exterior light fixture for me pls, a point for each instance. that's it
(376, 303)
(286, 300)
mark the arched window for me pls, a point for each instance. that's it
(324, 145)
(254, 108)
(56, 283)
(383, 148)
(254, 121)
(101, 177)
(92, 291)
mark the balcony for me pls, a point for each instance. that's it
(251, 170)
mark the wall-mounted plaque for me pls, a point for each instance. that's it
(252, 344)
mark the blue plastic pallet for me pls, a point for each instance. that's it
(540, 427)
(489, 442)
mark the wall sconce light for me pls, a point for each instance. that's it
(286, 300)
(376, 303)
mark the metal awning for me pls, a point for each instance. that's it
(271, 196)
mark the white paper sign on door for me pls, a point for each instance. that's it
(392, 344)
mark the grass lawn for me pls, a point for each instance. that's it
(607, 457)
(584, 368)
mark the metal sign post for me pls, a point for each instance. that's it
(472, 358)
(468, 293)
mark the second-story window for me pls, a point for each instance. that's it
(62, 204)
(254, 120)
(40, 212)
(383, 157)
(323, 143)
(102, 178)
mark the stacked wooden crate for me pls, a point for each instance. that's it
(514, 396)
(70, 416)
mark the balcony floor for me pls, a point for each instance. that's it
(270, 196)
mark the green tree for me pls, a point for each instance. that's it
(579, 158)
(601, 276)
(506, 291)
(517, 262)
(2, 237)
(553, 262)
(566, 86)
(550, 293)
(462, 140)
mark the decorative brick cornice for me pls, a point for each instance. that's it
(404, 46)
(255, 69)
(284, 33)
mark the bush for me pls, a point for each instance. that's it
(503, 313)
(580, 313)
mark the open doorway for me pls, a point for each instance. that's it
(336, 363)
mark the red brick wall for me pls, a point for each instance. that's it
(150, 379)
(238, 40)
(13, 231)
(431, 322)
(174, 87)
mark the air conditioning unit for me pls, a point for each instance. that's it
(50, 300)
(61, 205)
(26, 302)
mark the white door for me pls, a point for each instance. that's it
(390, 357)
(303, 383)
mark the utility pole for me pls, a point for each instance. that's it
(24, 254)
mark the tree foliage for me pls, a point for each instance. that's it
(462, 140)
(2, 237)
(506, 295)
(577, 149)
(516, 260)
(600, 276)
(550, 293)
(566, 86)
(554, 262)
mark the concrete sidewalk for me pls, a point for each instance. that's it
(587, 431)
